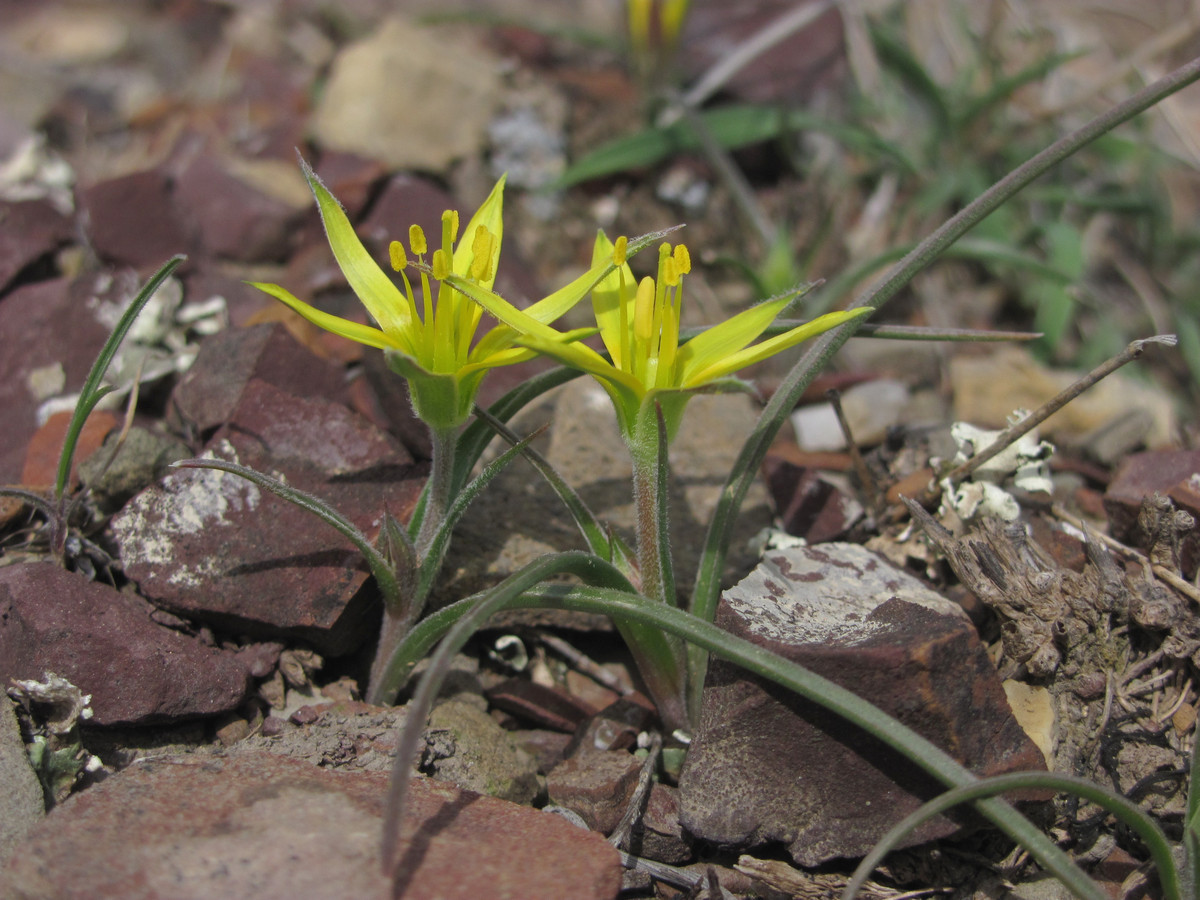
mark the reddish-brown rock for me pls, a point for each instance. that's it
(131, 220)
(105, 643)
(766, 765)
(46, 328)
(208, 394)
(597, 784)
(808, 505)
(30, 230)
(273, 828)
(232, 216)
(213, 546)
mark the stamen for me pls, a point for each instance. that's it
(397, 256)
(683, 259)
(416, 240)
(449, 229)
(441, 264)
(670, 272)
(643, 311)
(619, 250)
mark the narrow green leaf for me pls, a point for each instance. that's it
(440, 541)
(91, 393)
(476, 436)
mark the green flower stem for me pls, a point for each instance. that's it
(660, 658)
(708, 577)
(647, 449)
(439, 488)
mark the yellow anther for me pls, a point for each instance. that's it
(670, 272)
(481, 253)
(441, 264)
(683, 259)
(619, 250)
(416, 240)
(397, 256)
(449, 229)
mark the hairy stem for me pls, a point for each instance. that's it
(441, 481)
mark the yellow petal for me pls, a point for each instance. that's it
(611, 314)
(490, 216)
(716, 343)
(750, 355)
(355, 331)
(381, 298)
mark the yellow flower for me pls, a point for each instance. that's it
(639, 324)
(432, 343)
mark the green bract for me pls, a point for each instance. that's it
(431, 343)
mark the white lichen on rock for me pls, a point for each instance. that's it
(825, 594)
(186, 502)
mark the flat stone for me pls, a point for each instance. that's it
(21, 803)
(105, 643)
(987, 388)
(30, 230)
(209, 545)
(465, 746)
(245, 210)
(259, 825)
(50, 341)
(392, 97)
(597, 784)
(766, 765)
(209, 392)
(132, 221)
(808, 505)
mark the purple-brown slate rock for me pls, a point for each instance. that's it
(766, 765)
(233, 218)
(1175, 473)
(263, 826)
(42, 326)
(208, 394)
(212, 546)
(29, 230)
(659, 835)
(105, 643)
(808, 505)
(597, 784)
(132, 221)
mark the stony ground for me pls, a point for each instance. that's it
(222, 637)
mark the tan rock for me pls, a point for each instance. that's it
(409, 96)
